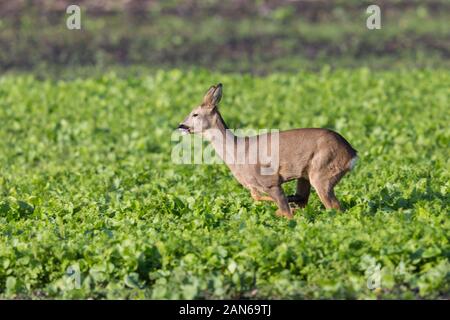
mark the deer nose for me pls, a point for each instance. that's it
(182, 126)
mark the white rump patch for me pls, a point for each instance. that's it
(353, 162)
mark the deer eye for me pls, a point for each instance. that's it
(195, 115)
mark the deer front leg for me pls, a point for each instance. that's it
(283, 205)
(258, 197)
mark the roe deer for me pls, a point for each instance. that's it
(313, 156)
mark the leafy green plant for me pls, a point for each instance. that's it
(87, 184)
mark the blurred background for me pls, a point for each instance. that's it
(259, 36)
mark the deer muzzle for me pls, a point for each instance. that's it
(184, 129)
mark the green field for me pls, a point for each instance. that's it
(87, 184)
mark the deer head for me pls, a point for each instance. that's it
(204, 116)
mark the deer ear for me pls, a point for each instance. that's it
(213, 96)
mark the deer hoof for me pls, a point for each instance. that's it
(288, 215)
(302, 205)
(298, 201)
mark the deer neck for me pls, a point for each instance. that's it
(222, 139)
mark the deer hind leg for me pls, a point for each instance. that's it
(280, 198)
(302, 194)
(325, 189)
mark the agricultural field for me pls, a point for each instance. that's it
(92, 206)
(257, 37)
